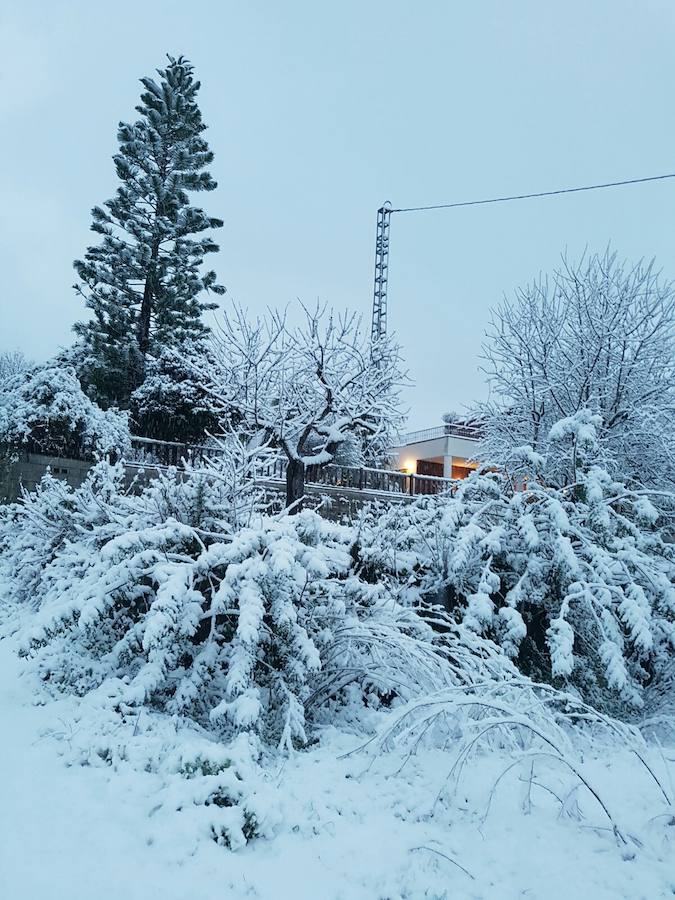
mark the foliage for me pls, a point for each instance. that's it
(186, 597)
(143, 281)
(538, 726)
(172, 599)
(172, 404)
(45, 410)
(575, 584)
(34, 531)
(204, 635)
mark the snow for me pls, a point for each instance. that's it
(580, 368)
(46, 406)
(589, 564)
(341, 825)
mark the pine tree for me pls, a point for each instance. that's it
(143, 281)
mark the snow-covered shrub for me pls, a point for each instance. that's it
(219, 787)
(574, 584)
(548, 735)
(45, 410)
(171, 404)
(38, 528)
(161, 597)
(204, 788)
(176, 600)
(392, 647)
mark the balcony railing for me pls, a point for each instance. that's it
(461, 430)
(151, 453)
(362, 478)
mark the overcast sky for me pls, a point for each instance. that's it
(317, 114)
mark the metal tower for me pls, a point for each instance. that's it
(379, 323)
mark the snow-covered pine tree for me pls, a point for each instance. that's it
(143, 281)
(172, 404)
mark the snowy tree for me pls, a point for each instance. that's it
(12, 363)
(46, 411)
(172, 403)
(595, 336)
(306, 390)
(143, 281)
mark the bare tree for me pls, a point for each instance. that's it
(12, 362)
(305, 390)
(599, 336)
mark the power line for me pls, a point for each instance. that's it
(379, 319)
(574, 190)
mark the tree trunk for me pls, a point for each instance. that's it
(145, 315)
(143, 334)
(295, 484)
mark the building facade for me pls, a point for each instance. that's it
(445, 451)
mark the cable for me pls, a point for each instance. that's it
(589, 187)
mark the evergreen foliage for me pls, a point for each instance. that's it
(45, 410)
(143, 281)
(172, 403)
(187, 598)
(174, 599)
(575, 584)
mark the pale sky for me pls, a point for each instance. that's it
(317, 114)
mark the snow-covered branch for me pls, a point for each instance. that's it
(307, 388)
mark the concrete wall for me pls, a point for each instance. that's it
(26, 469)
(462, 447)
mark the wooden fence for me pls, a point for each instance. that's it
(146, 451)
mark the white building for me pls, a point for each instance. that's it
(444, 451)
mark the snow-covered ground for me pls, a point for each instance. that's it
(352, 827)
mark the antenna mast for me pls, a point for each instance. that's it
(379, 323)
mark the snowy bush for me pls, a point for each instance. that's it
(177, 602)
(541, 729)
(203, 788)
(201, 635)
(37, 529)
(54, 520)
(217, 788)
(574, 584)
(45, 410)
(171, 404)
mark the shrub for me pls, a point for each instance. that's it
(574, 584)
(177, 603)
(46, 411)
